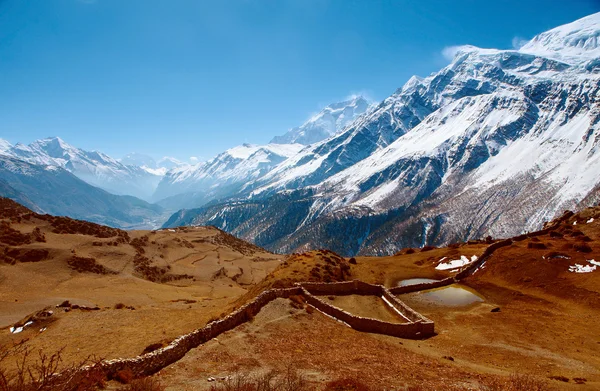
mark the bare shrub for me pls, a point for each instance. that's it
(346, 384)
(46, 372)
(144, 384)
(536, 245)
(287, 380)
(517, 382)
(124, 376)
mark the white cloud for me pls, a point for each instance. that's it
(450, 51)
(365, 94)
(518, 42)
(194, 159)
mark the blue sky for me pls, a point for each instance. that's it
(192, 77)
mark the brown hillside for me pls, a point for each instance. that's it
(123, 293)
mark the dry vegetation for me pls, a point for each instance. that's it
(22, 370)
(537, 318)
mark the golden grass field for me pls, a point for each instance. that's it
(141, 288)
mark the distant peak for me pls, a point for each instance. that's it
(55, 142)
(4, 145)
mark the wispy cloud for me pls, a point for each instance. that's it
(519, 42)
(450, 51)
(365, 94)
(194, 159)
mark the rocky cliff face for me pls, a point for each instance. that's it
(495, 144)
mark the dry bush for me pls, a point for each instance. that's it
(144, 384)
(22, 371)
(287, 380)
(346, 384)
(297, 301)
(536, 245)
(124, 376)
(582, 248)
(517, 382)
(89, 265)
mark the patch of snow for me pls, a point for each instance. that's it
(577, 268)
(590, 221)
(16, 330)
(456, 263)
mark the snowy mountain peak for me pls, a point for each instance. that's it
(95, 168)
(138, 159)
(169, 162)
(53, 146)
(573, 42)
(329, 121)
(4, 145)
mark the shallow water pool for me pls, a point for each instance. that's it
(415, 281)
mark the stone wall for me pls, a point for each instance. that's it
(412, 330)
(417, 326)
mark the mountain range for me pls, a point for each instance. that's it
(93, 167)
(495, 143)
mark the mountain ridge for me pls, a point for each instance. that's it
(501, 131)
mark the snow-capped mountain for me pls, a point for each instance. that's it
(328, 122)
(496, 143)
(571, 43)
(4, 145)
(223, 175)
(93, 167)
(156, 167)
(52, 189)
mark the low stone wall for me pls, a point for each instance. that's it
(408, 312)
(147, 364)
(469, 269)
(412, 330)
(150, 363)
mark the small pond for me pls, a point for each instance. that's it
(415, 281)
(454, 295)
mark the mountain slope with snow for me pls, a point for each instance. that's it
(572, 43)
(155, 167)
(328, 122)
(93, 167)
(54, 190)
(222, 176)
(496, 143)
